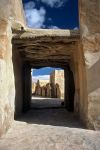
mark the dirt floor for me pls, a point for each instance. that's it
(49, 128)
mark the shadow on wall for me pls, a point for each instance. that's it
(18, 75)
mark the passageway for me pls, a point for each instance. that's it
(48, 49)
(50, 112)
(53, 50)
(40, 125)
(47, 87)
(58, 128)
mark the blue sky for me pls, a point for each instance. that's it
(43, 73)
(51, 14)
(61, 14)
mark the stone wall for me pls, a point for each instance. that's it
(38, 89)
(7, 90)
(57, 80)
(33, 87)
(43, 91)
(18, 75)
(27, 84)
(48, 90)
(86, 63)
(12, 10)
(90, 35)
(10, 13)
(77, 65)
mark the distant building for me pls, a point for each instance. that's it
(57, 83)
(53, 88)
(33, 87)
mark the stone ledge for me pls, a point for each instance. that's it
(32, 33)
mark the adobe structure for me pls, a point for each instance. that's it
(57, 83)
(52, 88)
(77, 52)
(37, 87)
(33, 87)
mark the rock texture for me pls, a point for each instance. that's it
(57, 81)
(57, 48)
(48, 90)
(7, 91)
(38, 89)
(9, 15)
(90, 35)
(12, 10)
(46, 47)
(33, 87)
(51, 131)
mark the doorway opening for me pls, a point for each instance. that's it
(48, 49)
(48, 88)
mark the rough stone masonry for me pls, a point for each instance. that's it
(18, 53)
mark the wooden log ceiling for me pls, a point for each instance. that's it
(42, 47)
